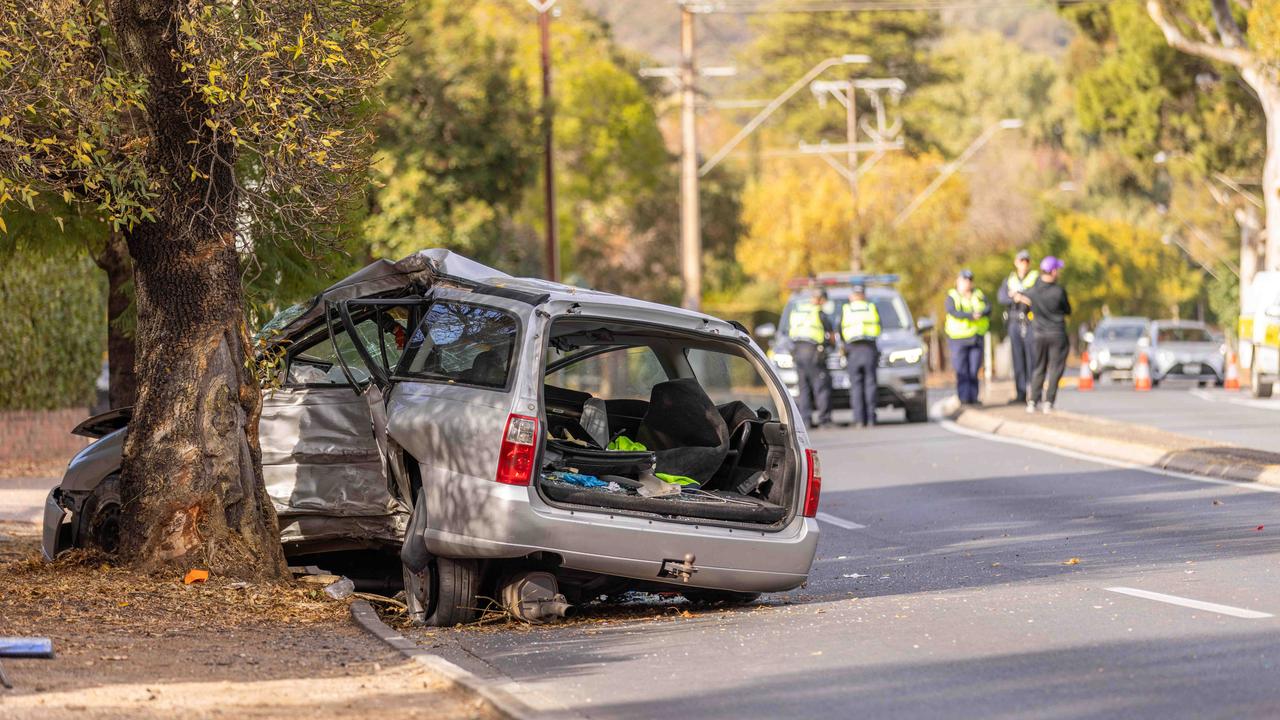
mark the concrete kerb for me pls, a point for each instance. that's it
(498, 698)
(1214, 461)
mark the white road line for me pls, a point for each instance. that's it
(839, 522)
(950, 426)
(1194, 604)
(1243, 402)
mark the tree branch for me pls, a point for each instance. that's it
(1176, 39)
(1230, 32)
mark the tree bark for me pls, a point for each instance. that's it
(191, 482)
(115, 262)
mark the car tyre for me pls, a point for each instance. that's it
(1203, 383)
(1257, 387)
(97, 524)
(443, 594)
(918, 412)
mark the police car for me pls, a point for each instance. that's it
(901, 376)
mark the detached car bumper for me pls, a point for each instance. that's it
(56, 530)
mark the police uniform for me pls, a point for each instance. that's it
(1021, 338)
(965, 338)
(860, 328)
(808, 327)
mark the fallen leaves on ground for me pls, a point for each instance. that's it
(1072, 561)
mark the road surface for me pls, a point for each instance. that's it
(987, 580)
(1210, 413)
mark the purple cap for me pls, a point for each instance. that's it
(1050, 264)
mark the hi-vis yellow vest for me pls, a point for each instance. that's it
(861, 321)
(962, 328)
(1016, 285)
(806, 323)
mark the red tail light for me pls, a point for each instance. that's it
(813, 483)
(519, 450)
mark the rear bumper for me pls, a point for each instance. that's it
(514, 522)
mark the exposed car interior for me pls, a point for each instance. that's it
(653, 421)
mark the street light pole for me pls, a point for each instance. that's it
(952, 167)
(690, 209)
(552, 249)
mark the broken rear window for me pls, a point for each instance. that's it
(461, 343)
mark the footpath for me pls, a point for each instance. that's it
(1121, 441)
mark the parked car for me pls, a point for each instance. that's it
(459, 421)
(1113, 345)
(901, 375)
(1259, 333)
(1187, 350)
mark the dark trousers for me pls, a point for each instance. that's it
(813, 381)
(1051, 360)
(966, 358)
(861, 359)
(1023, 344)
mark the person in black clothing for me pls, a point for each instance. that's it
(1021, 340)
(1049, 309)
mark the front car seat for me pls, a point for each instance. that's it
(685, 430)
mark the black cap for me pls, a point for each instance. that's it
(858, 288)
(967, 274)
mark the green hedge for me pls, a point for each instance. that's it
(52, 331)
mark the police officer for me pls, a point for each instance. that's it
(859, 328)
(968, 319)
(810, 330)
(1021, 338)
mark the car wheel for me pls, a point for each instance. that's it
(1155, 383)
(1203, 383)
(443, 594)
(719, 597)
(1257, 387)
(97, 524)
(918, 412)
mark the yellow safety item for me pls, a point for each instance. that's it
(806, 323)
(1246, 327)
(1016, 285)
(860, 321)
(962, 328)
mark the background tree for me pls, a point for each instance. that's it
(1217, 31)
(196, 129)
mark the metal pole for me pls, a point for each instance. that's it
(851, 135)
(690, 212)
(548, 159)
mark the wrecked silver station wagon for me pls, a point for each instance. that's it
(446, 427)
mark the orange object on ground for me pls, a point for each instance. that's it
(1086, 375)
(195, 576)
(1142, 373)
(1231, 376)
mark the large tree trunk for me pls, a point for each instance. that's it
(1269, 95)
(191, 483)
(114, 261)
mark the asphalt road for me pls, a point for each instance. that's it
(1211, 413)
(959, 598)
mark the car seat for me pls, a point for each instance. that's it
(490, 367)
(685, 430)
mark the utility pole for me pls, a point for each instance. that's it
(884, 137)
(851, 138)
(690, 209)
(548, 149)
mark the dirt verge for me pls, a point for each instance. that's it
(142, 646)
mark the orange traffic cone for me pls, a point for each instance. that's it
(1142, 374)
(1232, 374)
(1086, 375)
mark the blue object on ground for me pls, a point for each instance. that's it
(26, 647)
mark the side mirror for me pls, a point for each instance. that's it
(766, 331)
(924, 324)
(1088, 337)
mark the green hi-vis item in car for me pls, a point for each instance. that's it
(626, 444)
